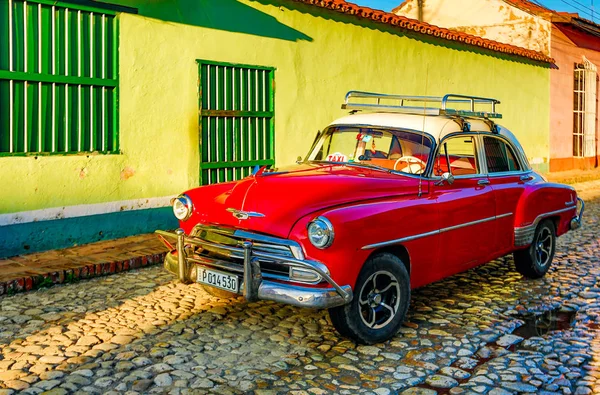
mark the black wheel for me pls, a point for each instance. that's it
(534, 261)
(380, 303)
(218, 293)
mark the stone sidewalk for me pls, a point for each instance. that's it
(574, 176)
(43, 269)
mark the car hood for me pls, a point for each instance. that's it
(276, 200)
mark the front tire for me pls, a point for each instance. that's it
(534, 261)
(382, 297)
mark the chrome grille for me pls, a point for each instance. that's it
(225, 245)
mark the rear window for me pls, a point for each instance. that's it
(499, 156)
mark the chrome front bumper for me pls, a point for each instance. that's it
(254, 286)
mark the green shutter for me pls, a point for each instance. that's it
(236, 120)
(58, 78)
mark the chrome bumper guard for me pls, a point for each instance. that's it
(576, 221)
(253, 286)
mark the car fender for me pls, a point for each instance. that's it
(543, 200)
(360, 228)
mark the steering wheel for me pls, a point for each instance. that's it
(411, 160)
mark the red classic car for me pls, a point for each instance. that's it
(389, 198)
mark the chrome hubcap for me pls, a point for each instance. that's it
(543, 247)
(379, 299)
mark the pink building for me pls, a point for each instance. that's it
(575, 46)
(572, 41)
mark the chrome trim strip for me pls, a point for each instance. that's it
(480, 221)
(519, 173)
(401, 240)
(542, 216)
(434, 232)
(503, 215)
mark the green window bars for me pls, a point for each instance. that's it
(236, 120)
(58, 78)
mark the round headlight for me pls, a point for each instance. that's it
(320, 232)
(182, 207)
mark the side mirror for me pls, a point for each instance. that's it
(299, 160)
(446, 178)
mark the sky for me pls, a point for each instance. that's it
(582, 7)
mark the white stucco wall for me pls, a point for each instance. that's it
(493, 19)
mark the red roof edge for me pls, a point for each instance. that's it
(405, 23)
(530, 7)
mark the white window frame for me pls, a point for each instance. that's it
(584, 109)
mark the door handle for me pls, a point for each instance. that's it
(483, 182)
(526, 177)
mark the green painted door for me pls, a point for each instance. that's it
(236, 120)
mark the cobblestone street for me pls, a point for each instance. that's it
(143, 332)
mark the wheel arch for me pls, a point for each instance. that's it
(555, 220)
(397, 250)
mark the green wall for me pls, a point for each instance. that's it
(318, 54)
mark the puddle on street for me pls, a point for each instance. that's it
(539, 324)
(535, 324)
(593, 325)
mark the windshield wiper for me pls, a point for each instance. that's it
(365, 165)
(368, 166)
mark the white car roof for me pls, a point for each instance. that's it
(435, 126)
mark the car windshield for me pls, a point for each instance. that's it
(390, 150)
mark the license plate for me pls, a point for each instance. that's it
(218, 279)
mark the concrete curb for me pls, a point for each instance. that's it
(83, 272)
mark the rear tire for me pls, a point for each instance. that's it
(534, 261)
(218, 293)
(380, 303)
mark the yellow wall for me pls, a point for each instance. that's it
(331, 55)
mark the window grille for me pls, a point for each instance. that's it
(236, 120)
(584, 109)
(58, 78)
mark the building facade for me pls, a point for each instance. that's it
(108, 111)
(573, 43)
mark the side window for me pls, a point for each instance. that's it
(457, 156)
(499, 156)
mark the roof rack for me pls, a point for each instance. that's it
(423, 109)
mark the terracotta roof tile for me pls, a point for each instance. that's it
(425, 28)
(530, 6)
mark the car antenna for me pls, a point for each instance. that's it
(423, 130)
